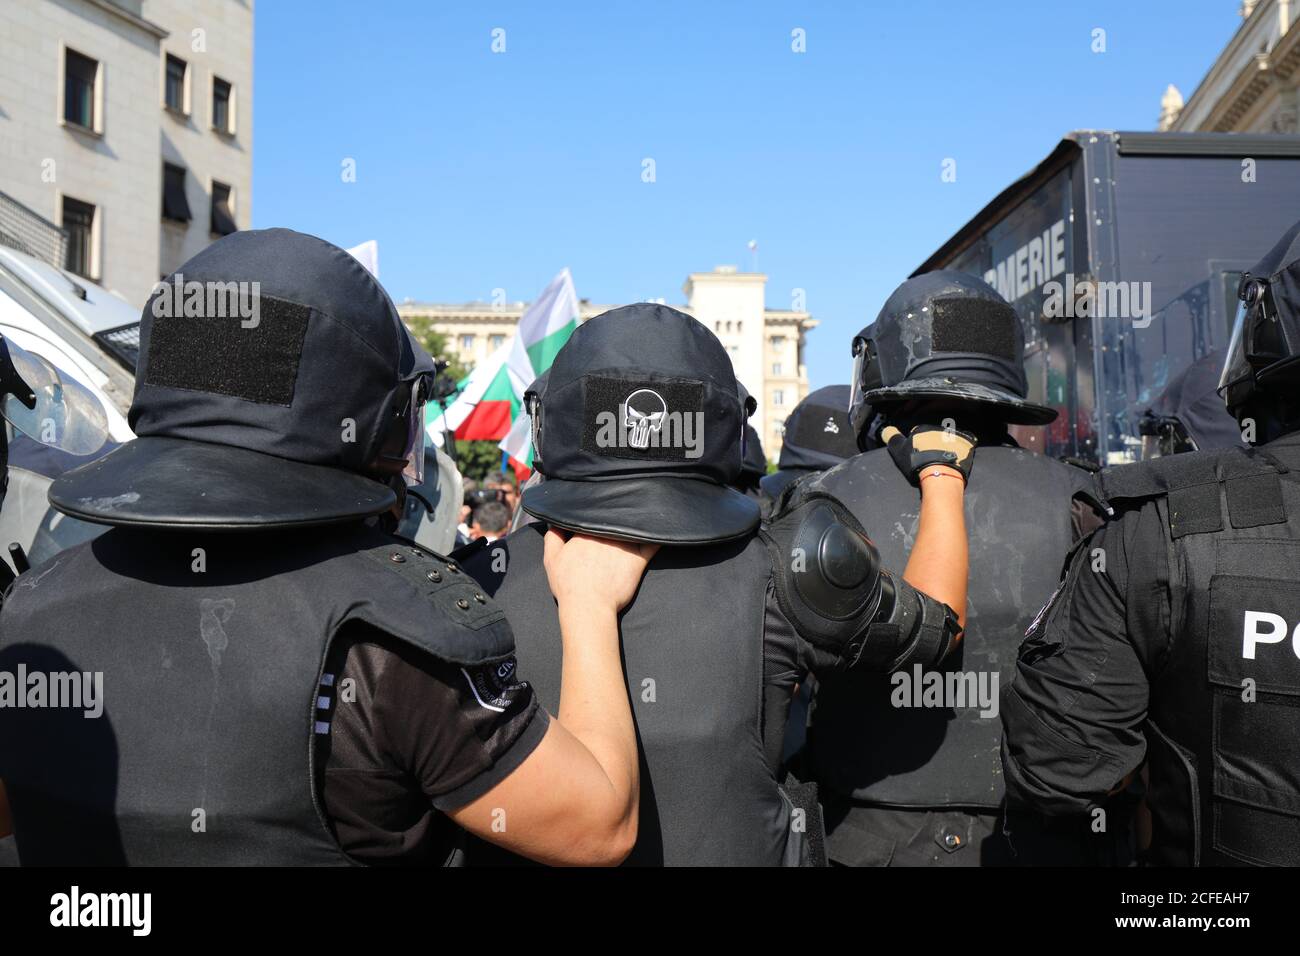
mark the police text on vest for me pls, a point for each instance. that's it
(1263, 627)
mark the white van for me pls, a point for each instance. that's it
(76, 325)
(90, 335)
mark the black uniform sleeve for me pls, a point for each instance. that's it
(786, 658)
(1072, 717)
(406, 734)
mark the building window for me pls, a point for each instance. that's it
(174, 84)
(81, 74)
(495, 342)
(223, 215)
(740, 326)
(79, 221)
(174, 204)
(776, 369)
(467, 343)
(778, 343)
(223, 119)
(778, 397)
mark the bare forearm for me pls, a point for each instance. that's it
(574, 800)
(938, 564)
(594, 705)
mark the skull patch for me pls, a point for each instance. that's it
(643, 412)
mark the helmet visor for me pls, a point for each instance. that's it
(416, 435)
(866, 371)
(1235, 366)
(1258, 336)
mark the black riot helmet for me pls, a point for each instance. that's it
(277, 387)
(639, 433)
(818, 434)
(944, 335)
(1264, 351)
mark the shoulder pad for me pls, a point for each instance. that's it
(786, 494)
(775, 484)
(826, 572)
(429, 590)
(1191, 482)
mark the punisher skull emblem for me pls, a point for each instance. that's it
(643, 413)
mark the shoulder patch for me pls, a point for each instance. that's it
(1191, 482)
(440, 581)
(493, 685)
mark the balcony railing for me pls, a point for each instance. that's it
(24, 230)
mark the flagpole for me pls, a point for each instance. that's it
(443, 389)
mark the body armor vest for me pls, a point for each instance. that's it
(1223, 728)
(869, 740)
(211, 650)
(693, 655)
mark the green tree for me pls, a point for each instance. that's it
(435, 343)
(477, 459)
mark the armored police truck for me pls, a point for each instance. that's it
(1122, 253)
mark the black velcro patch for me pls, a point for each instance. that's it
(219, 355)
(1194, 510)
(962, 324)
(1255, 500)
(647, 420)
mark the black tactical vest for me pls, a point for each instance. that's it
(1018, 521)
(1223, 728)
(211, 649)
(693, 655)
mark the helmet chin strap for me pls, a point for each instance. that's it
(392, 518)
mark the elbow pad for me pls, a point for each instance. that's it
(830, 586)
(916, 629)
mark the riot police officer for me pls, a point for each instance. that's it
(250, 668)
(908, 765)
(1169, 639)
(638, 436)
(817, 436)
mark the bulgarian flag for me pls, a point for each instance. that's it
(485, 405)
(488, 404)
(543, 330)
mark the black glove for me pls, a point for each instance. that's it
(930, 445)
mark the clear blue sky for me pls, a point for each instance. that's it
(477, 170)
